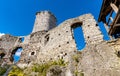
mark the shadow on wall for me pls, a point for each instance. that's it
(78, 36)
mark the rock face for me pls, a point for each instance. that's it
(99, 60)
(49, 43)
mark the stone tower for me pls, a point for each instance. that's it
(45, 20)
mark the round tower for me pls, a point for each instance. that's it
(45, 20)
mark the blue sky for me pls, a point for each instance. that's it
(17, 16)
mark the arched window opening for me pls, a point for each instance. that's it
(15, 56)
(78, 36)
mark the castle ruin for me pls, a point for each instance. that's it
(49, 42)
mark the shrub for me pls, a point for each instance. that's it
(42, 69)
(16, 72)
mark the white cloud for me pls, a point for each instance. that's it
(1, 34)
(18, 53)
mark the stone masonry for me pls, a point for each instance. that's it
(45, 45)
(49, 42)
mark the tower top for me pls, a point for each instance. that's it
(45, 20)
(46, 12)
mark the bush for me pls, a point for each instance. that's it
(16, 72)
(42, 69)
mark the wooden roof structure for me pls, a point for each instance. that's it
(108, 7)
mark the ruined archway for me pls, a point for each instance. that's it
(15, 54)
(78, 35)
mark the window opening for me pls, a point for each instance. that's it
(78, 36)
(16, 53)
(22, 39)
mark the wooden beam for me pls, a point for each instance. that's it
(116, 25)
(114, 7)
(109, 17)
(111, 31)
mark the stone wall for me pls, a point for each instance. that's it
(59, 42)
(8, 43)
(98, 58)
(43, 45)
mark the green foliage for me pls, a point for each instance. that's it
(60, 62)
(42, 69)
(79, 73)
(16, 72)
(76, 58)
(2, 71)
